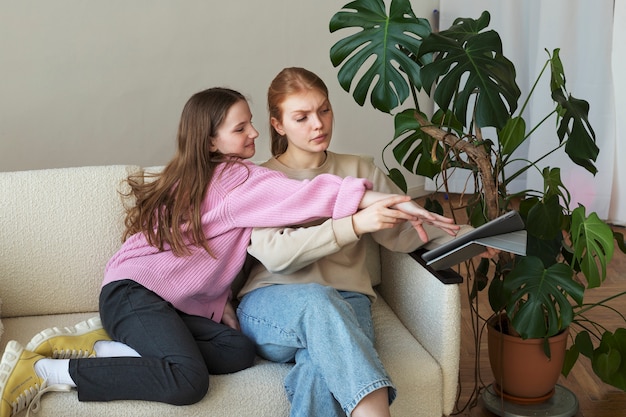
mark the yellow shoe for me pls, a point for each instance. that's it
(20, 387)
(69, 342)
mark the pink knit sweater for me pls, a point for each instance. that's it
(241, 196)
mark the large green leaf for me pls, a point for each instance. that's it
(496, 296)
(582, 344)
(432, 204)
(396, 176)
(546, 250)
(393, 41)
(538, 302)
(557, 72)
(512, 135)
(414, 149)
(467, 62)
(553, 186)
(571, 356)
(609, 359)
(544, 219)
(592, 240)
(574, 120)
(581, 144)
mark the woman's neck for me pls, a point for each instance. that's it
(302, 160)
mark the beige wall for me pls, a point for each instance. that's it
(103, 82)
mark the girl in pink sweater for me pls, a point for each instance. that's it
(165, 297)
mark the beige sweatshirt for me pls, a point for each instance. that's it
(327, 252)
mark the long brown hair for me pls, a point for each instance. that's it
(288, 82)
(167, 205)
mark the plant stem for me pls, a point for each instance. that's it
(587, 307)
(476, 153)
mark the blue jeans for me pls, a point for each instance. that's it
(328, 334)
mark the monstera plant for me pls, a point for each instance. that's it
(389, 55)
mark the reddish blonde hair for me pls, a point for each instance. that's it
(289, 81)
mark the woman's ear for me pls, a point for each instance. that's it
(278, 127)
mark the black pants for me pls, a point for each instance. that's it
(178, 351)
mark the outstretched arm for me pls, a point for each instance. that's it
(412, 212)
(287, 250)
(381, 215)
(370, 197)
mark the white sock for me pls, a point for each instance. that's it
(113, 349)
(55, 371)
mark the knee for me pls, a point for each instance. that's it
(191, 388)
(239, 356)
(192, 396)
(248, 353)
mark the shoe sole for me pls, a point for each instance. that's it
(11, 356)
(79, 329)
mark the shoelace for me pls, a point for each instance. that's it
(72, 354)
(31, 397)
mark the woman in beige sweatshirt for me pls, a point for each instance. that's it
(309, 298)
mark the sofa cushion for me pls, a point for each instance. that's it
(1, 326)
(59, 228)
(257, 391)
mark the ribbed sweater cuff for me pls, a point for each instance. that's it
(349, 196)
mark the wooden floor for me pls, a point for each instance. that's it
(595, 398)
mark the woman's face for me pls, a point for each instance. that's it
(236, 135)
(307, 121)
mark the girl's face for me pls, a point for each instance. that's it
(236, 135)
(307, 122)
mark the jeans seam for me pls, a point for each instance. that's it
(368, 389)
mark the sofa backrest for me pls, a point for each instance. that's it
(58, 228)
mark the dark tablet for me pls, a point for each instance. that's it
(504, 233)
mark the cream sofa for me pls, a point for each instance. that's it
(59, 227)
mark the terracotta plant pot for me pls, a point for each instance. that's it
(523, 373)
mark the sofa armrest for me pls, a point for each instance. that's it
(430, 309)
(446, 276)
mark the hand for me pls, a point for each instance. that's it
(490, 252)
(380, 215)
(229, 317)
(424, 216)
